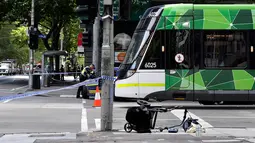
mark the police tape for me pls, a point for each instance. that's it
(108, 78)
(1, 77)
(65, 73)
(29, 94)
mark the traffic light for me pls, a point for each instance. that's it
(86, 10)
(86, 39)
(33, 39)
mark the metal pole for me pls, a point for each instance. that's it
(43, 71)
(31, 51)
(107, 68)
(84, 53)
(96, 53)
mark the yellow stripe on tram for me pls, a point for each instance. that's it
(181, 99)
(139, 84)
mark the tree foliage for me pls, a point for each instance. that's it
(19, 39)
(53, 16)
(10, 49)
(70, 32)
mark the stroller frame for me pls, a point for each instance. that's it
(128, 127)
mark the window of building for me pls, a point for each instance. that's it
(154, 58)
(225, 49)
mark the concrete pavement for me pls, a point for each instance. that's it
(12, 84)
(54, 115)
(56, 118)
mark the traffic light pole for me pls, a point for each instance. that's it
(31, 51)
(107, 66)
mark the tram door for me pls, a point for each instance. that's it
(179, 57)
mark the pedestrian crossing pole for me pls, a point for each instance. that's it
(31, 51)
(107, 65)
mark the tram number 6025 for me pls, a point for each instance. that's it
(150, 65)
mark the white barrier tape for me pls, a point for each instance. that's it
(29, 94)
(1, 77)
(65, 73)
(108, 78)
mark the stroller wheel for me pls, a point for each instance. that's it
(128, 127)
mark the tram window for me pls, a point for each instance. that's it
(198, 47)
(178, 42)
(225, 49)
(154, 58)
(251, 50)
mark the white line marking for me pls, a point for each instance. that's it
(7, 101)
(68, 96)
(98, 124)
(17, 138)
(83, 101)
(179, 113)
(214, 141)
(121, 132)
(19, 87)
(84, 120)
(63, 106)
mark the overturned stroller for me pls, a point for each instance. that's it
(143, 118)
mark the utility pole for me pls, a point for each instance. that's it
(96, 39)
(107, 69)
(85, 58)
(96, 49)
(31, 50)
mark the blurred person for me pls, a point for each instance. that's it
(62, 71)
(87, 73)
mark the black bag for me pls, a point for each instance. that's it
(140, 119)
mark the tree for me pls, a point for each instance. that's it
(8, 48)
(19, 39)
(3, 11)
(70, 32)
(53, 16)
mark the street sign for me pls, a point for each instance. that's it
(101, 7)
(80, 48)
(79, 39)
(116, 8)
(42, 36)
(179, 58)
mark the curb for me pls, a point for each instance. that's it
(80, 134)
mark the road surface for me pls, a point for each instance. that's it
(54, 113)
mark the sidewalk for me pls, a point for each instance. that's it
(122, 137)
(69, 80)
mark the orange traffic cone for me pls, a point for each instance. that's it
(97, 100)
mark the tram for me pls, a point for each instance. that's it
(193, 52)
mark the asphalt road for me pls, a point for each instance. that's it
(12, 84)
(55, 113)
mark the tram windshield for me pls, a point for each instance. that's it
(143, 30)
